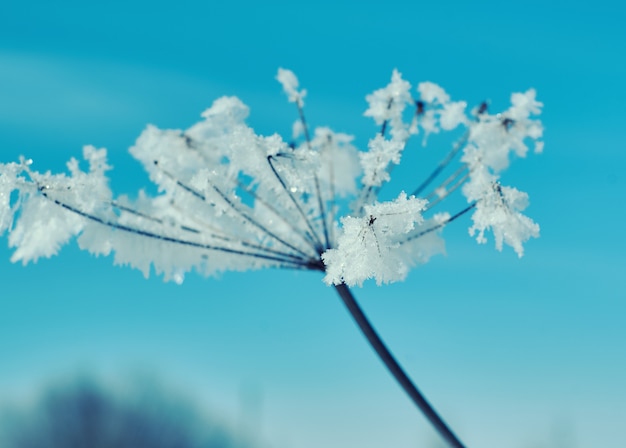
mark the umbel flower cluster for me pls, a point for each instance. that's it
(230, 199)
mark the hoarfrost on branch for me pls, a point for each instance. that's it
(229, 199)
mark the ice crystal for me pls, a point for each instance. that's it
(230, 199)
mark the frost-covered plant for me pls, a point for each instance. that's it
(230, 199)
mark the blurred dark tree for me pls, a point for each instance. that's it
(82, 414)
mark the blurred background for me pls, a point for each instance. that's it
(520, 353)
(82, 412)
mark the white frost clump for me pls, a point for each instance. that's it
(43, 225)
(499, 209)
(230, 199)
(387, 105)
(376, 162)
(290, 85)
(494, 137)
(9, 182)
(368, 246)
(441, 113)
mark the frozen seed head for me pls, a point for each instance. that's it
(231, 199)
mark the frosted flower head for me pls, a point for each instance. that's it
(499, 210)
(370, 245)
(493, 139)
(231, 199)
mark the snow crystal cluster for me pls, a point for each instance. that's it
(230, 199)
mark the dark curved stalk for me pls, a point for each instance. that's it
(394, 368)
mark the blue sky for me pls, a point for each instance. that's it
(516, 353)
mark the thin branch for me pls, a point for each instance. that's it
(366, 192)
(305, 127)
(333, 199)
(132, 211)
(394, 367)
(320, 202)
(440, 225)
(306, 237)
(383, 128)
(448, 192)
(444, 163)
(233, 207)
(231, 238)
(363, 199)
(318, 244)
(446, 182)
(148, 234)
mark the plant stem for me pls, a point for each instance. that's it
(394, 368)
